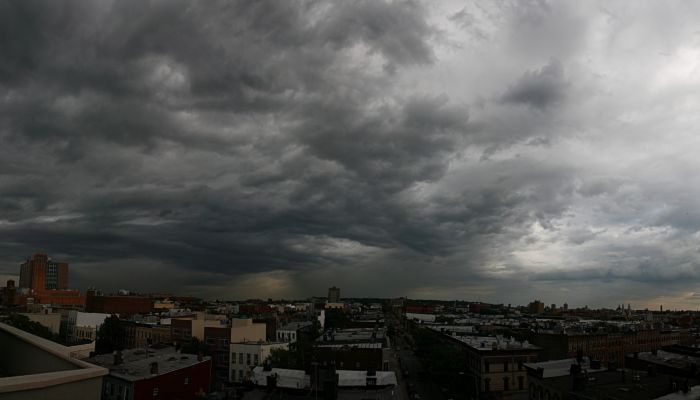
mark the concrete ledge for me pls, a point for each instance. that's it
(82, 371)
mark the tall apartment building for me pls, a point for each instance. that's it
(536, 307)
(41, 273)
(334, 295)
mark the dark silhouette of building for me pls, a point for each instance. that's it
(334, 295)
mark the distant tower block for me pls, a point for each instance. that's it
(41, 273)
(334, 295)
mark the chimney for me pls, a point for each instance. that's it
(118, 357)
(154, 368)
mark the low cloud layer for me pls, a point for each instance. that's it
(497, 152)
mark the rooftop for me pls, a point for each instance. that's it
(491, 343)
(675, 360)
(353, 335)
(136, 363)
(295, 326)
(353, 345)
(561, 367)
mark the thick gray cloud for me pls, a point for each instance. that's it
(541, 89)
(261, 148)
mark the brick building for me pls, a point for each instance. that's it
(142, 335)
(47, 281)
(117, 304)
(41, 273)
(604, 347)
(160, 374)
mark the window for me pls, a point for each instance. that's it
(506, 384)
(155, 392)
(520, 365)
(233, 358)
(255, 359)
(240, 358)
(505, 366)
(486, 366)
(520, 383)
(247, 359)
(240, 374)
(187, 380)
(487, 385)
(126, 393)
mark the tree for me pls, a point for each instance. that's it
(111, 336)
(336, 319)
(283, 358)
(24, 323)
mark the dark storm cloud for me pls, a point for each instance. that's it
(282, 145)
(135, 111)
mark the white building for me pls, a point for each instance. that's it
(290, 332)
(83, 326)
(248, 355)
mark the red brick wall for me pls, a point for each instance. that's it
(171, 386)
(122, 305)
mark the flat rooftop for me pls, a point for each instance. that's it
(352, 345)
(493, 343)
(637, 385)
(293, 326)
(675, 360)
(136, 363)
(561, 367)
(353, 335)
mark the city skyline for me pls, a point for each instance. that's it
(499, 152)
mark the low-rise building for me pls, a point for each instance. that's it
(124, 305)
(245, 330)
(496, 364)
(352, 349)
(603, 346)
(138, 374)
(142, 335)
(184, 329)
(290, 332)
(584, 378)
(83, 327)
(247, 355)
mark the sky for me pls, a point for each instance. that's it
(500, 151)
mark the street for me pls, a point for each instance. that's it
(414, 382)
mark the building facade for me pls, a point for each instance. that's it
(334, 295)
(290, 333)
(142, 335)
(605, 347)
(41, 273)
(496, 366)
(160, 374)
(117, 304)
(248, 355)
